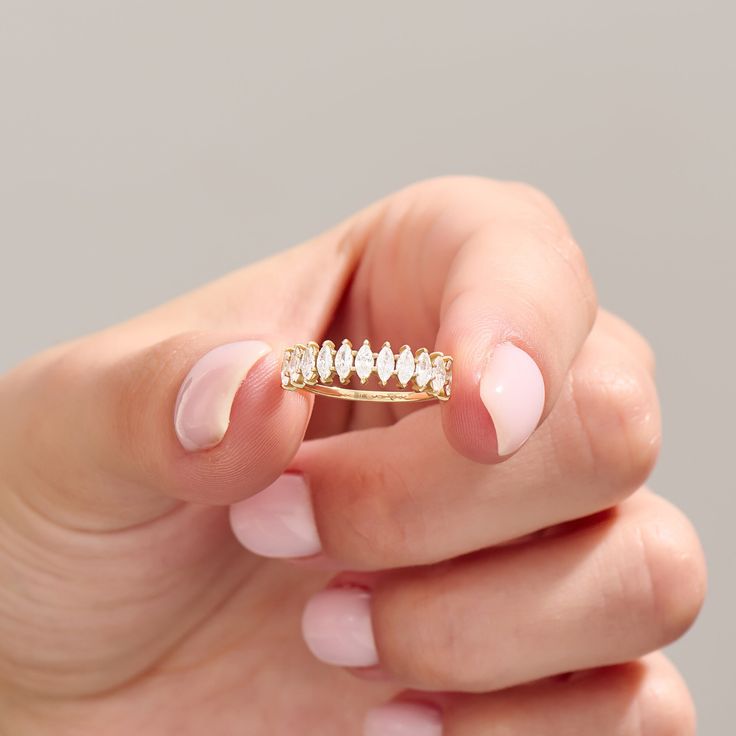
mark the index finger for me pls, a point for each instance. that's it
(507, 290)
(516, 309)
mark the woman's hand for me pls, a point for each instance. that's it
(485, 568)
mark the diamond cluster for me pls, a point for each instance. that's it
(312, 363)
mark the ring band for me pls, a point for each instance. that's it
(314, 367)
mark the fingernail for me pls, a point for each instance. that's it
(337, 627)
(512, 390)
(403, 719)
(202, 412)
(278, 521)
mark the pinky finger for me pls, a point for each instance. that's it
(643, 698)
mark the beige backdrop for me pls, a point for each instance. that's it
(148, 146)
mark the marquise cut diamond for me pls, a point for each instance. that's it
(344, 360)
(364, 361)
(424, 369)
(308, 362)
(439, 374)
(295, 363)
(385, 363)
(324, 362)
(405, 366)
(306, 365)
(285, 369)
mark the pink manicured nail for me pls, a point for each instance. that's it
(337, 627)
(403, 719)
(202, 412)
(278, 521)
(512, 389)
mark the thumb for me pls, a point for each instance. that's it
(202, 417)
(95, 439)
(182, 403)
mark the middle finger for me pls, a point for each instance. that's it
(397, 496)
(602, 591)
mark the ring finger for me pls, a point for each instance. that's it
(643, 698)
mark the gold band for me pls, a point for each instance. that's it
(314, 367)
(336, 392)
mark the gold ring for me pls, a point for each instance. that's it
(314, 367)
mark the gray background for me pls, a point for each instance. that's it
(146, 147)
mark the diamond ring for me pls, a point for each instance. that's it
(314, 367)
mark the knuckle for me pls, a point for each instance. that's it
(517, 200)
(435, 652)
(666, 707)
(543, 217)
(120, 387)
(61, 382)
(618, 412)
(645, 350)
(65, 365)
(50, 378)
(538, 202)
(62, 375)
(134, 392)
(441, 658)
(676, 575)
(511, 202)
(631, 339)
(363, 519)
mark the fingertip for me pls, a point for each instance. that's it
(279, 520)
(497, 404)
(205, 398)
(403, 717)
(201, 417)
(512, 390)
(263, 432)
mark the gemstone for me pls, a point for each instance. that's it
(385, 363)
(424, 369)
(324, 362)
(448, 385)
(439, 374)
(295, 363)
(405, 366)
(344, 360)
(364, 361)
(308, 362)
(285, 369)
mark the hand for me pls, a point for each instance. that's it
(488, 557)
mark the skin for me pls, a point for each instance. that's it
(127, 606)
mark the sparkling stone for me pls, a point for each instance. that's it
(344, 360)
(324, 362)
(385, 363)
(439, 374)
(448, 385)
(424, 369)
(405, 366)
(295, 364)
(308, 362)
(364, 361)
(285, 369)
